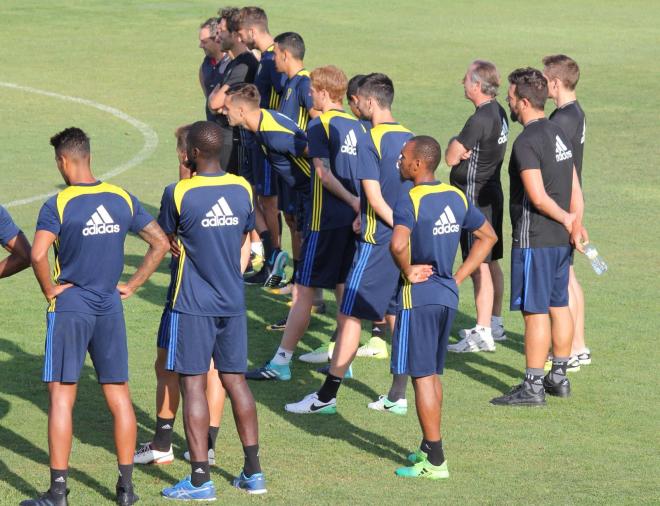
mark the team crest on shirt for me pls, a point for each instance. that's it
(100, 223)
(288, 94)
(446, 224)
(220, 215)
(561, 151)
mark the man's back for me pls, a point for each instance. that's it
(91, 222)
(210, 215)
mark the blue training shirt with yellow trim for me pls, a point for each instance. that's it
(268, 80)
(296, 100)
(284, 144)
(210, 214)
(378, 161)
(8, 229)
(91, 222)
(336, 136)
(435, 213)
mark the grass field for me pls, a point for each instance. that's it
(600, 446)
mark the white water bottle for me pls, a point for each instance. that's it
(597, 263)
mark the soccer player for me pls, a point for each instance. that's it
(241, 69)
(86, 224)
(372, 281)
(475, 156)
(15, 242)
(214, 63)
(159, 449)
(546, 215)
(211, 214)
(296, 103)
(329, 243)
(254, 33)
(563, 74)
(427, 226)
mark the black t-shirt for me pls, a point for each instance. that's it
(240, 70)
(485, 133)
(570, 117)
(212, 73)
(541, 145)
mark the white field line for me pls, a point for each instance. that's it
(150, 136)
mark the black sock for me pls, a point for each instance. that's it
(213, 435)
(333, 339)
(125, 475)
(534, 377)
(163, 437)
(58, 480)
(267, 244)
(251, 464)
(200, 473)
(398, 388)
(329, 389)
(377, 329)
(433, 450)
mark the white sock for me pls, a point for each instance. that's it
(282, 357)
(257, 248)
(496, 321)
(484, 330)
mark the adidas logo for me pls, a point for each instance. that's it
(199, 470)
(167, 426)
(220, 215)
(504, 133)
(446, 224)
(60, 479)
(100, 223)
(350, 144)
(561, 151)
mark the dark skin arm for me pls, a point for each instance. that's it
(43, 240)
(159, 245)
(19, 256)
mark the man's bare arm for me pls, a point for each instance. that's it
(43, 240)
(19, 256)
(158, 247)
(217, 98)
(375, 198)
(534, 188)
(332, 184)
(399, 245)
(485, 239)
(456, 152)
(245, 252)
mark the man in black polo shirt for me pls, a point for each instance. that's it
(214, 63)
(546, 215)
(563, 74)
(476, 156)
(241, 69)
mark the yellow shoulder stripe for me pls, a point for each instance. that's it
(327, 116)
(70, 193)
(202, 181)
(379, 131)
(270, 124)
(417, 193)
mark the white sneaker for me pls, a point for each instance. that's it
(311, 404)
(474, 342)
(399, 407)
(186, 455)
(320, 355)
(148, 455)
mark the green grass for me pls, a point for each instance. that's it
(600, 446)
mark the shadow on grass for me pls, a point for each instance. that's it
(92, 421)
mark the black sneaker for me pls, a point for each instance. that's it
(256, 279)
(561, 389)
(126, 496)
(521, 395)
(278, 325)
(48, 499)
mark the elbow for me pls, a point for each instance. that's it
(451, 160)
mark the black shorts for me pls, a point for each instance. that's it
(491, 204)
(265, 177)
(327, 256)
(229, 155)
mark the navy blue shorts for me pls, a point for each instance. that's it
(70, 335)
(163, 336)
(371, 282)
(327, 256)
(539, 278)
(194, 340)
(287, 201)
(245, 150)
(265, 178)
(493, 212)
(419, 342)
